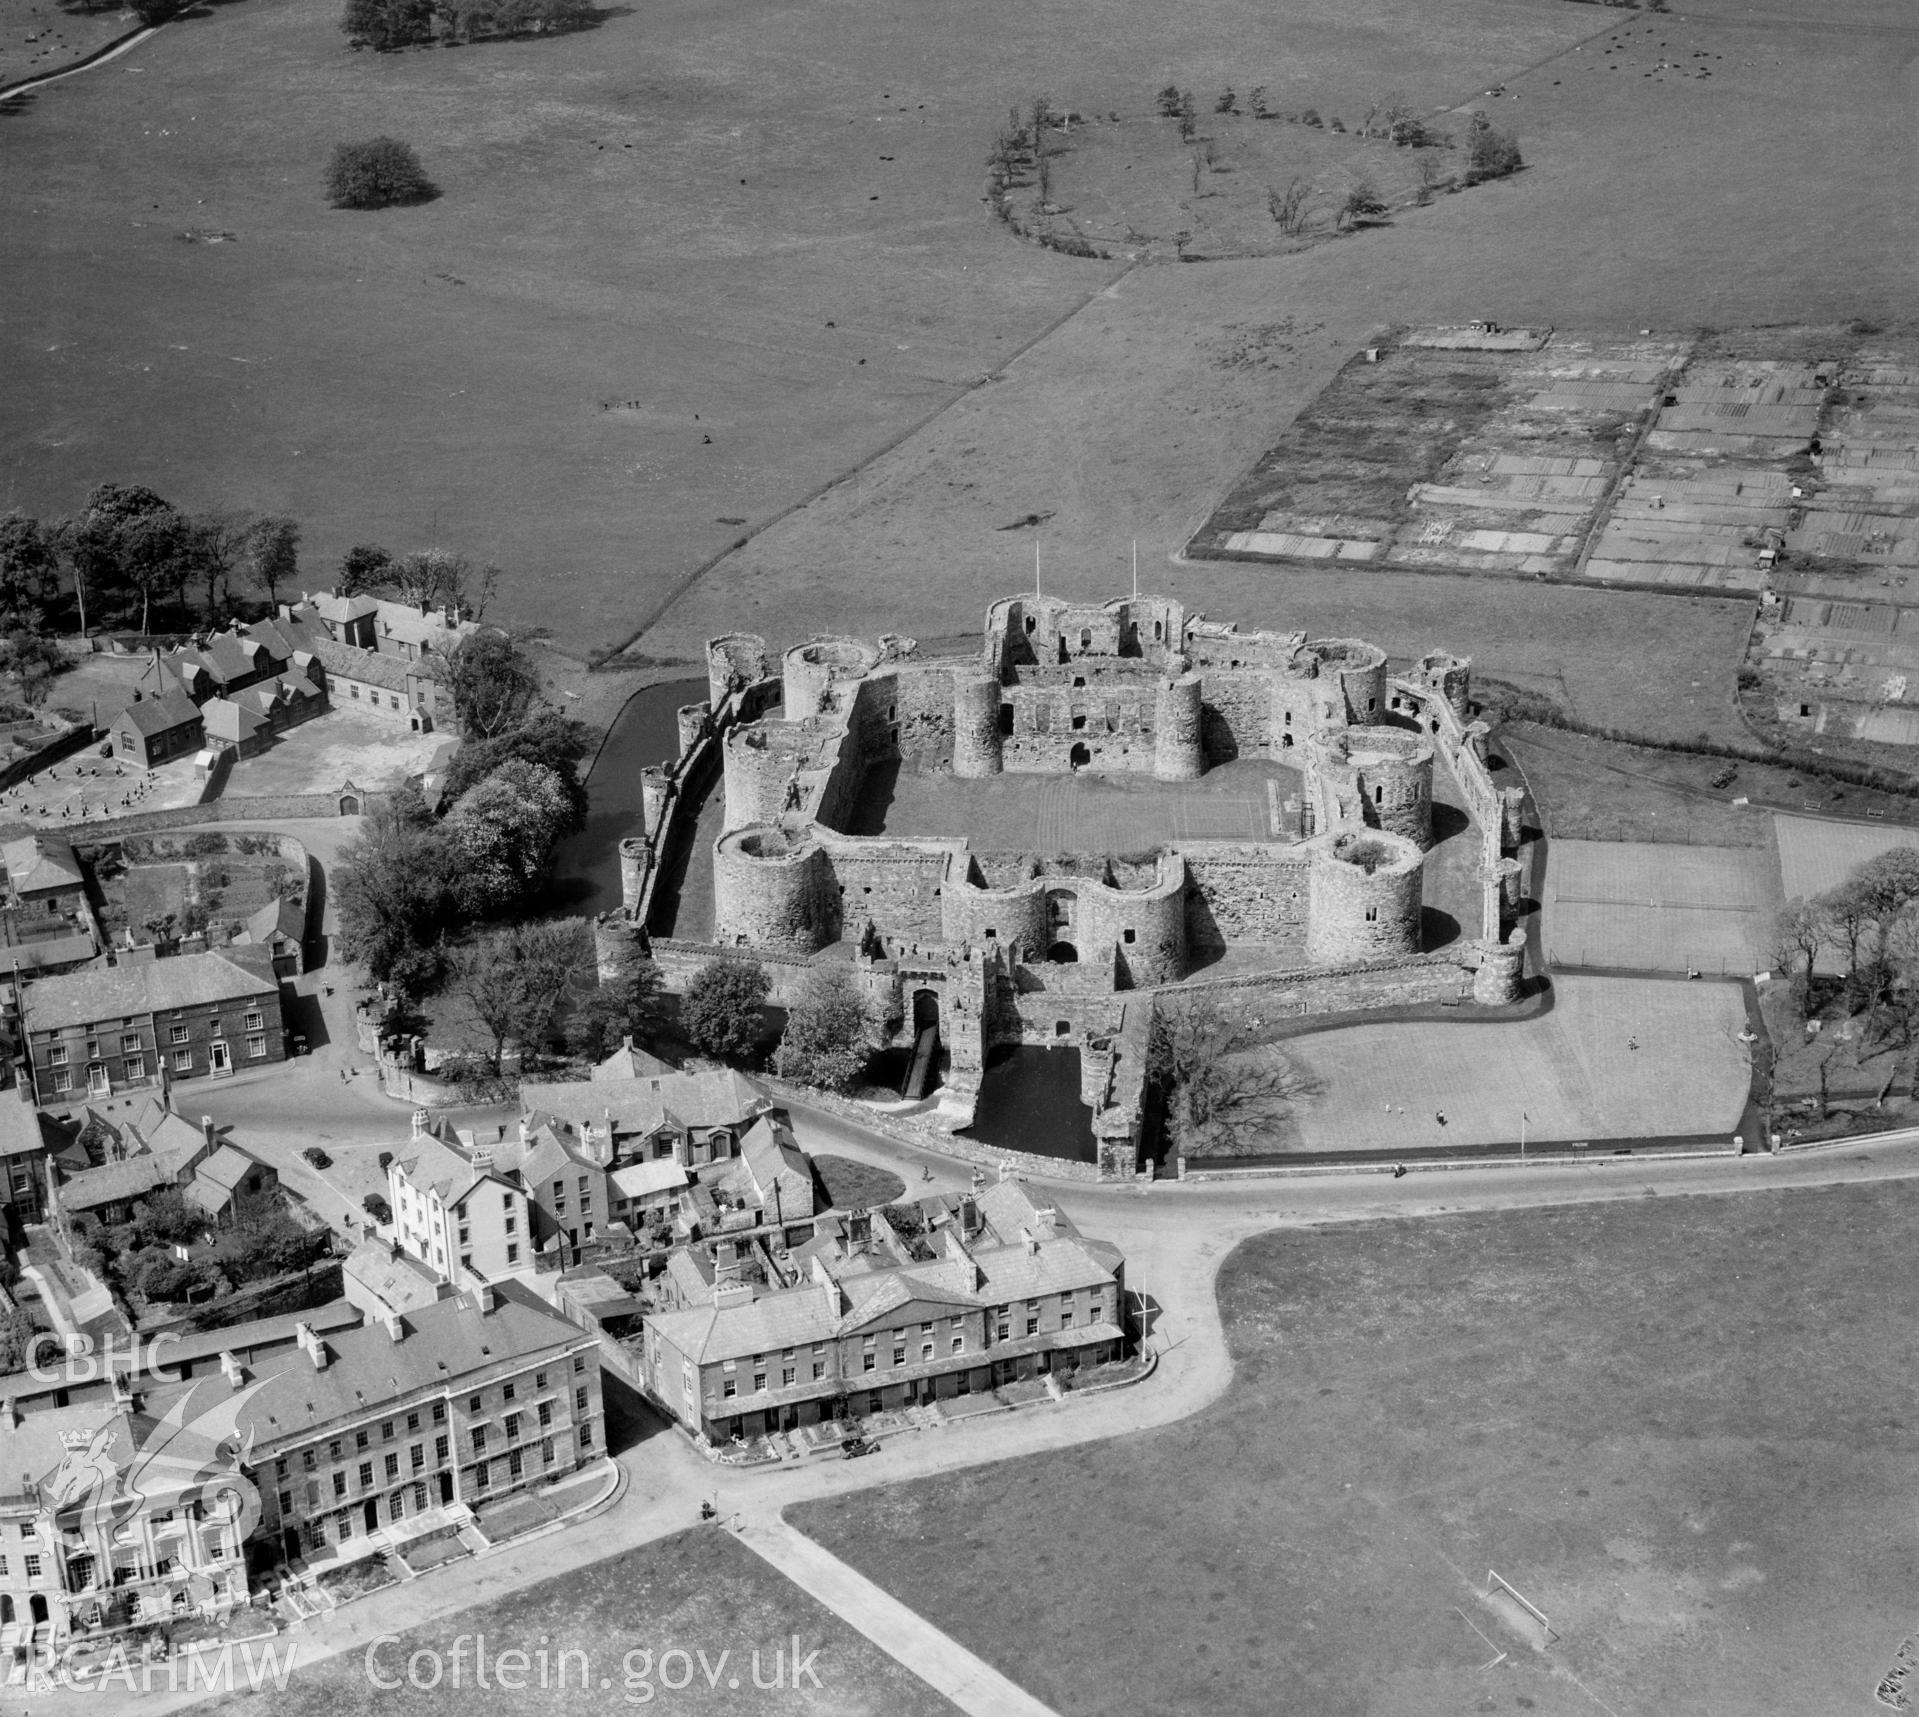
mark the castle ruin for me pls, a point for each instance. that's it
(991, 946)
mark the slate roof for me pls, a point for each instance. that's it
(441, 1343)
(628, 1062)
(36, 862)
(151, 717)
(21, 1129)
(229, 720)
(155, 986)
(277, 918)
(226, 1168)
(112, 1182)
(710, 1097)
(343, 660)
(398, 1281)
(642, 1180)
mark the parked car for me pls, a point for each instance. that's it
(851, 1448)
(377, 1207)
(317, 1157)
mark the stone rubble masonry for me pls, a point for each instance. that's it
(1016, 947)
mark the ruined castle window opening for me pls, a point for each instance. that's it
(1063, 954)
(1372, 915)
(1005, 720)
(1079, 723)
(1379, 795)
(1157, 634)
(1032, 625)
(1079, 682)
(1085, 638)
(992, 935)
(1128, 936)
(1079, 757)
(1062, 1028)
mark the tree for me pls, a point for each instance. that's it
(548, 738)
(1800, 935)
(1490, 152)
(388, 24)
(126, 540)
(392, 893)
(376, 174)
(720, 1012)
(29, 572)
(827, 1026)
(1168, 100)
(17, 1330)
(502, 833)
(494, 684)
(625, 1003)
(167, 1219)
(273, 553)
(514, 980)
(1222, 1090)
(1288, 207)
(1362, 203)
(362, 568)
(219, 545)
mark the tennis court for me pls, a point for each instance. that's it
(1657, 907)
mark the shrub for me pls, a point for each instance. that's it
(375, 174)
(388, 24)
(1310, 117)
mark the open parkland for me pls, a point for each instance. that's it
(709, 330)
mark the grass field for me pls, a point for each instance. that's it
(738, 221)
(1589, 789)
(701, 1591)
(1680, 1426)
(517, 366)
(1815, 855)
(43, 35)
(1661, 907)
(1615, 1058)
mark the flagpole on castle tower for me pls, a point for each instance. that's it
(1135, 569)
(1036, 563)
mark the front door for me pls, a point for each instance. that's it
(220, 1058)
(373, 1514)
(446, 1489)
(98, 1084)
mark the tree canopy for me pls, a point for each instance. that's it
(625, 1003)
(720, 1012)
(380, 173)
(547, 739)
(516, 980)
(392, 893)
(494, 684)
(502, 832)
(1223, 1091)
(827, 1028)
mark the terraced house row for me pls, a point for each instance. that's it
(995, 1288)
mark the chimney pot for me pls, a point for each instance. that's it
(395, 1329)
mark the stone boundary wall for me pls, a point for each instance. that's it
(244, 809)
(1345, 989)
(678, 961)
(56, 750)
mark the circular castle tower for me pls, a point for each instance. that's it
(1364, 886)
(1448, 677)
(768, 889)
(1178, 754)
(976, 736)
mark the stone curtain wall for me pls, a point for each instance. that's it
(1246, 894)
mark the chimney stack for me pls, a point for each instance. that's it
(206, 1129)
(420, 1119)
(311, 1345)
(395, 1329)
(230, 1370)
